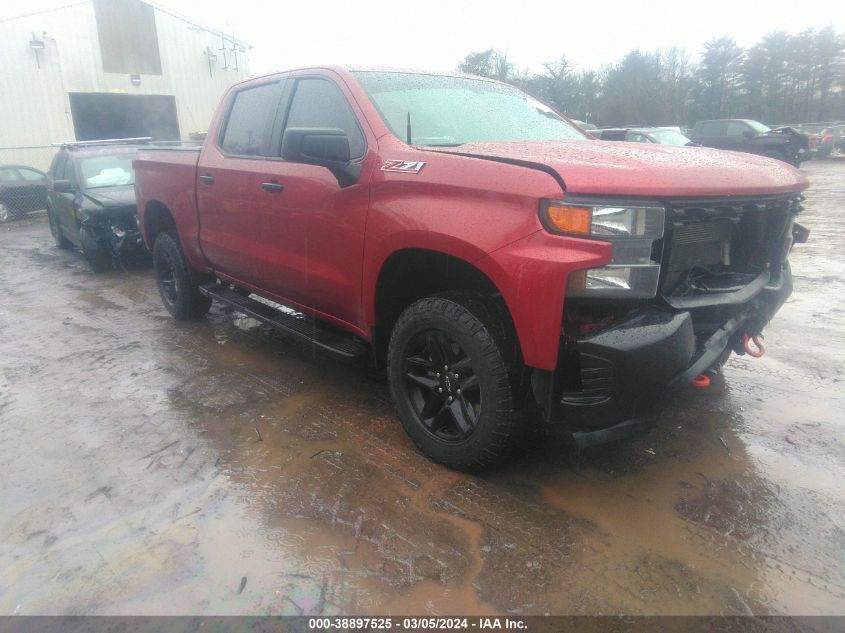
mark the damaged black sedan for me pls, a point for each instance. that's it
(91, 203)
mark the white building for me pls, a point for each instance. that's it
(96, 69)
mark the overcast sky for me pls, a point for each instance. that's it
(437, 34)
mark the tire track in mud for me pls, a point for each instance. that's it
(513, 529)
(519, 539)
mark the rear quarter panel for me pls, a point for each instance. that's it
(169, 177)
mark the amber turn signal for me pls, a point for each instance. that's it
(568, 219)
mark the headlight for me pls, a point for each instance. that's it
(632, 230)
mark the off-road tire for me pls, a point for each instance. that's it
(98, 255)
(481, 334)
(177, 283)
(58, 237)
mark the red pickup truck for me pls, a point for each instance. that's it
(494, 258)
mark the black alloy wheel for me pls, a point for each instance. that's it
(167, 282)
(453, 372)
(176, 281)
(442, 386)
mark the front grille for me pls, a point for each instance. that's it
(720, 245)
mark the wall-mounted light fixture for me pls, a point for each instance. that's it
(37, 45)
(210, 57)
(135, 79)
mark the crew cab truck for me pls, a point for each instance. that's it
(490, 255)
(744, 135)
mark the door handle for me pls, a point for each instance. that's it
(273, 187)
(207, 179)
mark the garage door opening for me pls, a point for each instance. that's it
(98, 116)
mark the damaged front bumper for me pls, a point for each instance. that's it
(116, 230)
(606, 380)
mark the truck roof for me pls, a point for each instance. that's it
(344, 69)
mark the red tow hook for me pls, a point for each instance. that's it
(702, 381)
(746, 345)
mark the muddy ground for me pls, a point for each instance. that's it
(155, 467)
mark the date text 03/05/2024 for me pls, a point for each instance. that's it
(412, 624)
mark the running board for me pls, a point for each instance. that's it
(296, 325)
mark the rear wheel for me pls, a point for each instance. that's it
(177, 283)
(98, 254)
(451, 381)
(61, 241)
(6, 213)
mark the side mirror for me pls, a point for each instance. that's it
(63, 186)
(327, 147)
(748, 134)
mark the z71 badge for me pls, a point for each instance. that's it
(404, 166)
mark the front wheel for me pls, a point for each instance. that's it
(98, 254)
(177, 283)
(451, 381)
(7, 214)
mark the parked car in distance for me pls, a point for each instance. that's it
(838, 130)
(744, 135)
(91, 202)
(22, 189)
(822, 139)
(664, 136)
(492, 256)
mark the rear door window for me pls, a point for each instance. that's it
(709, 128)
(320, 103)
(248, 125)
(737, 128)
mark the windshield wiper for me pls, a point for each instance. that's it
(548, 114)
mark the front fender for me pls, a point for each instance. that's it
(531, 275)
(405, 240)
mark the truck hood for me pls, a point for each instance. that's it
(647, 169)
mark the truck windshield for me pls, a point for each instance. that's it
(451, 111)
(107, 171)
